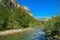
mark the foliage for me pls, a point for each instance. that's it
(57, 23)
(12, 17)
(53, 23)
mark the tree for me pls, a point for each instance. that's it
(12, 17)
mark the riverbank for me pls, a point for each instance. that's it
(13, 31)
(31, 34)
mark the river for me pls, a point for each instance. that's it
(35, 34)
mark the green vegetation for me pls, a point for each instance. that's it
(52, 27)
(13, 18)
(53, 23)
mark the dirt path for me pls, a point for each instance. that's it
(6, 32)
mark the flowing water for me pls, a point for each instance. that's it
(38, 34)
(35, 34)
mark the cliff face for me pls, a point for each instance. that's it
(6, 3)
(14, 2)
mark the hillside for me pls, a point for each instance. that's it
(12, 17)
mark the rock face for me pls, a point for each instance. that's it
(15, 3)
(5, 3)
(9, 3)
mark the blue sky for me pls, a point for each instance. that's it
(41, 8)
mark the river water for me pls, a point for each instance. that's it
(35, 34)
